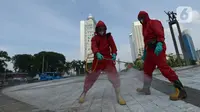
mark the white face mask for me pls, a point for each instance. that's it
(101, 33)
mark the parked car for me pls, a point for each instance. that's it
(37, 77)
(66, 75)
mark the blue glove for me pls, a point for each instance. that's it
(114, 57)
(158, 48)
(99, 56)
(144, 55)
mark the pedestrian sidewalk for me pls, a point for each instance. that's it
(8, 104)
(62, 97)
(190, 77)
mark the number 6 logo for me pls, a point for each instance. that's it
(184, 14)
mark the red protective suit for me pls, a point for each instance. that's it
(153, 32)
(106, 46)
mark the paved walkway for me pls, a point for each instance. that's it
(61, 96)
(189, 77)
(8, 104)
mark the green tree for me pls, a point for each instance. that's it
(193, 62)
(49, 61)
(76, 66)
(138, 64)
(174, 62)
(23, 62)
(3, 59)
(80, 67)
(73, 64)
(67, 67)
(171, 60)
(82, 71)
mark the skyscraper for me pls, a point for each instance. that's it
(138, 38)
(188, 45)
(132, 45)
(82, 40)
(87, 29)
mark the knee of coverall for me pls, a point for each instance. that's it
(149, 64)
(112, 73)
(165, 68)
(90, 79)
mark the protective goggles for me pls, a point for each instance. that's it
(99, 29)
(141, 18)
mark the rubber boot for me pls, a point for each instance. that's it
(120, 100)
(82, 98)
(143, 90)
(180, 92)
(146, 87)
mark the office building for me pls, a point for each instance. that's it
(82, 40)
(188, 46)
(87, 29)
(138, 38)
(132, 46)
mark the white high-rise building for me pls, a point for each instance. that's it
(87, 29)
(82, 40)
(133, 48)
(138, 38)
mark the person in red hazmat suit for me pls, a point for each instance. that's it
(154, 55)
(105, 52)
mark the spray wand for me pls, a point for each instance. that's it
(90, 71)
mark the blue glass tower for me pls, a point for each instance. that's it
(189, 49)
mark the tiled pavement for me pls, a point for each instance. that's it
(8, 104)
(190, 79)
(61, 96)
